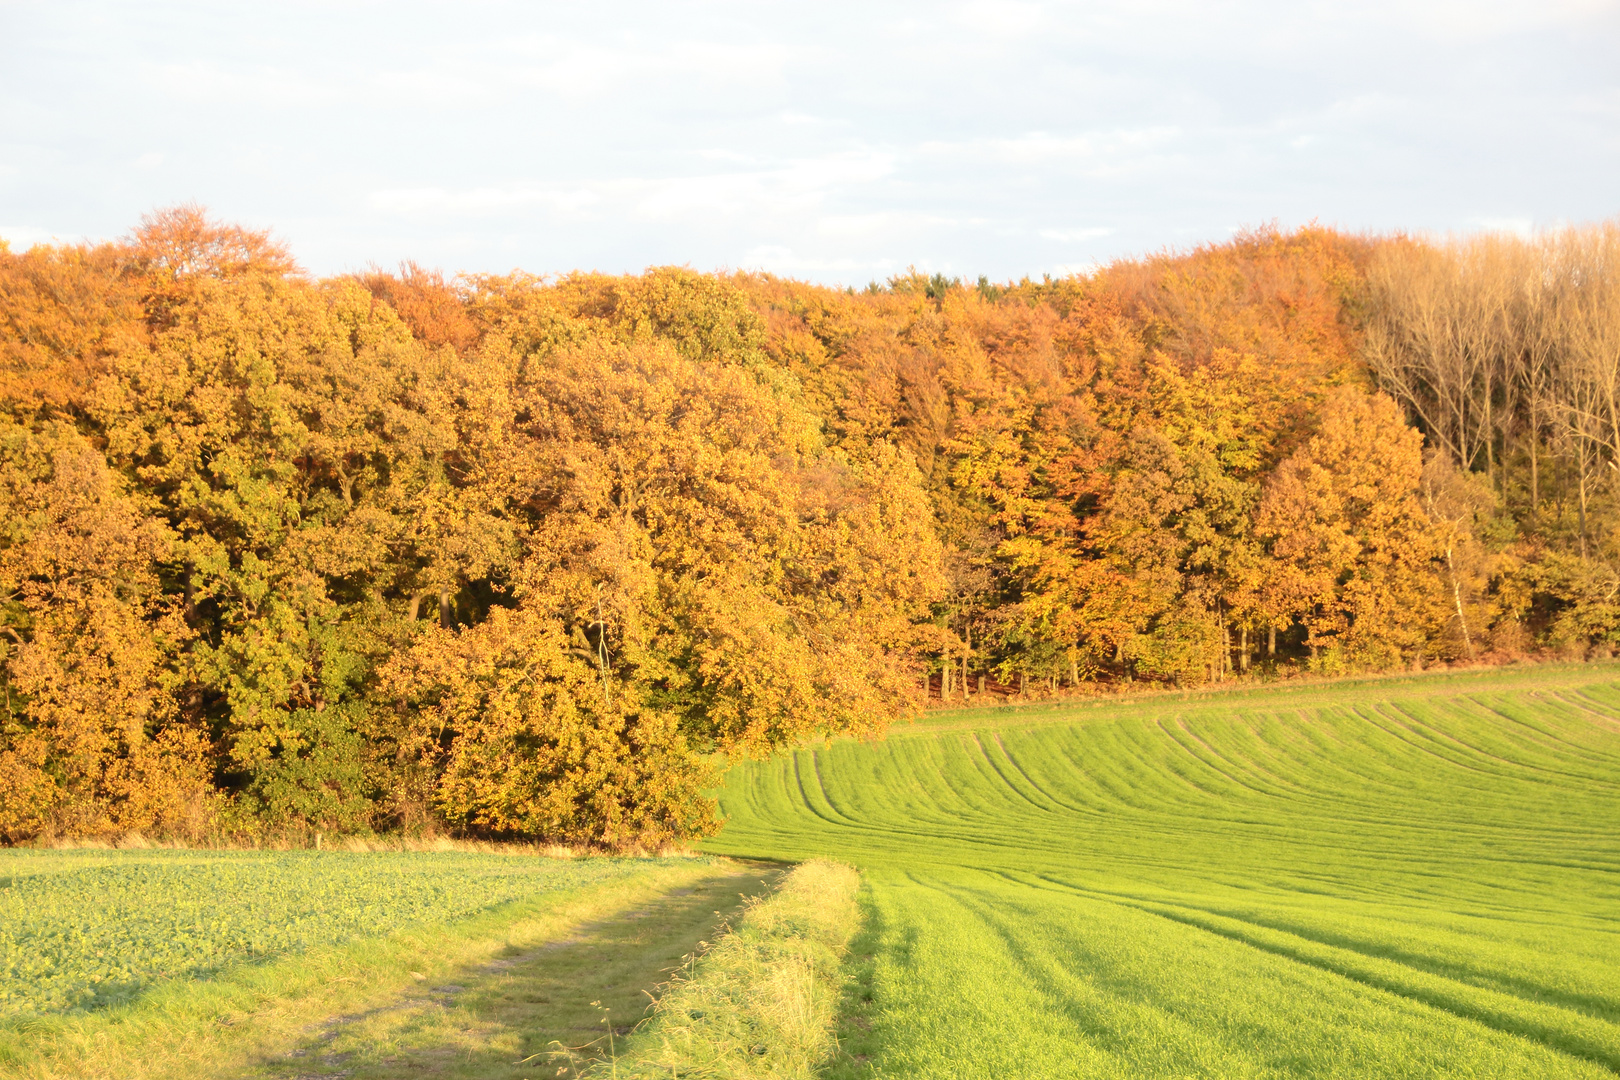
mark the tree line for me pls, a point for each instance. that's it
(535, 556)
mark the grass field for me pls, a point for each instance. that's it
(83, 930)
(147, 964)
(1400, 878)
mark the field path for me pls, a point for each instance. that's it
(537, 1009)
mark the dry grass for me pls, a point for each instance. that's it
(761, 1001)
(354, 843)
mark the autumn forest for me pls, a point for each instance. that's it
(534, 557)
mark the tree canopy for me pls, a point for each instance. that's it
(534, 556)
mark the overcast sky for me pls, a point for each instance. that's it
(835, 141)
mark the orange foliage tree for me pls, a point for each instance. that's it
(528, 556)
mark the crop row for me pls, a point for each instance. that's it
(1371, 882)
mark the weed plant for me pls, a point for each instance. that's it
(1398, 878)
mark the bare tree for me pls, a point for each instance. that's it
(1492, 339)
(1437, 337)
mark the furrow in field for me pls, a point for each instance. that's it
(1378, 716)
(1579, 1035)
(1177, 735)
(1423, 724)
(1383, 879)
(1034, 785)
(1458, 946)
(823, 792)
(1244, 758)
(1259, 751)
(1592, 700)
(1593, 715)
(1567, 1028)
(1103, 993)
(815, 806)
(1504, 746)
(1003, 776)
(1517, 743)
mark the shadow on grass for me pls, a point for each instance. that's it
(548, 1011)
(860, 1039)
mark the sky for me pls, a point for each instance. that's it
(837, 142)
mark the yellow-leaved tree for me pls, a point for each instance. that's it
(92, 742)
(699, 574)
(1353, 548)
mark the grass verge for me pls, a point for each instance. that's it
(541, 1013)
(761, 1001)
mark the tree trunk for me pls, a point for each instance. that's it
(602, 649)
(967, 649)
(945, 678)
(1243, 648)
(1023, 684)
(447, 615)
(1271, 641)
(1490, 443)
(1535, 478)
(1074, 670)
(1583, 506)
(1456, 597)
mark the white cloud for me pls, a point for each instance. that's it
(574, 69)
(1074, 236)
(793, 186)
(23, 237)
(1084, 269)
(431, 201)
(1519, 226)
(208, 82)
(999, 18)
(1473, 20)
(785, 261)
(1106, 149)
(889, 223)
(788, 187)
(987, 136)
(431, 86)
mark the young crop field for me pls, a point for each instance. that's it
(84, 930)
(1399, 878)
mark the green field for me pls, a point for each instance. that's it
(84, 930)
(185, 965)
(1395, 878)
(1399, 878)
